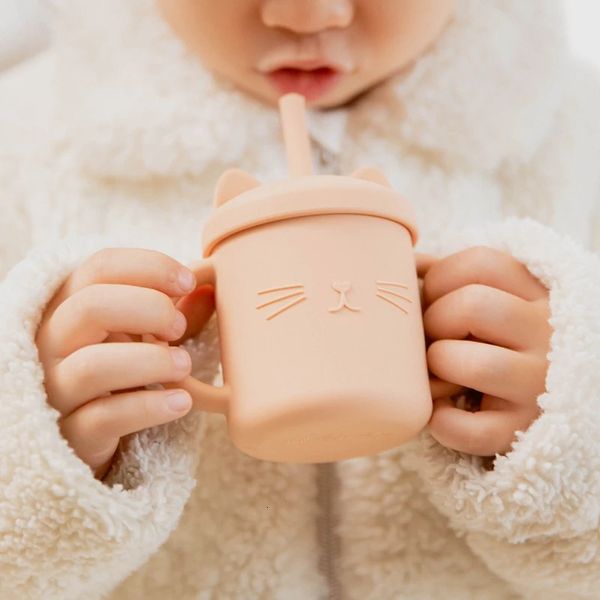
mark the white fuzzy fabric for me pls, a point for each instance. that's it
(116, 137)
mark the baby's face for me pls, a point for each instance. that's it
(327, 50)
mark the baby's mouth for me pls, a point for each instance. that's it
(310, 83)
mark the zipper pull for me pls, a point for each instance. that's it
(328, 162)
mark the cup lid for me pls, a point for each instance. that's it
(305, 196)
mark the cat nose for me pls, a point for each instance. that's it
(307, 16)
(341, 286)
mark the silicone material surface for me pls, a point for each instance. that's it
(303, 196)
(318, 310)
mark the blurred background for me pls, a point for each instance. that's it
(24, 29)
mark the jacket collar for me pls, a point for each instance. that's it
(135, 105)
(328, 128)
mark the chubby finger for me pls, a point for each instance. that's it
(482, 265)
(424, 263)
(128, 266)
(481, 433)
(94, 370)
(93, 312)
(440, 388)
(122, 337)
(94, 430)
(488, 314)
(197, 307)
(514, 376)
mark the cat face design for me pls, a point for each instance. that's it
(282, 298)
(277, 300)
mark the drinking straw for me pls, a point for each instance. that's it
(292, 108)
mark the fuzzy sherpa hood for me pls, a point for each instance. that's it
(136, 104)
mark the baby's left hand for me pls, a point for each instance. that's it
(487, 317)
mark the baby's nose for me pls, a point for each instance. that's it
(307, 16)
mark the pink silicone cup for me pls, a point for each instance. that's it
(318, 310)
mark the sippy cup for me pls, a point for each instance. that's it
(318, 311)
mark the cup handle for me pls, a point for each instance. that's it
(204, 396)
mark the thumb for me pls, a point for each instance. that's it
(198, 307)
(424, 263)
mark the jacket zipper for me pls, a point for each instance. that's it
(328, 162)
(328, 540)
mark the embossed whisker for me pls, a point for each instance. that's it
(298, 293)
(392, 283)
(392, 302)
(278, 312)
(394, 294)
(283, 287)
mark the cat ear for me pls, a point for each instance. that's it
(231, 184)
(372, 174)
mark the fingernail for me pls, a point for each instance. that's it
(187, 280)
(178, 401)
(179, 324)
(181, 359)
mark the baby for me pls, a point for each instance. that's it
(111, 144)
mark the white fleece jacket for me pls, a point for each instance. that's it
(116, 136)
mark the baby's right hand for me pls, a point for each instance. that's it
(89, 381)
